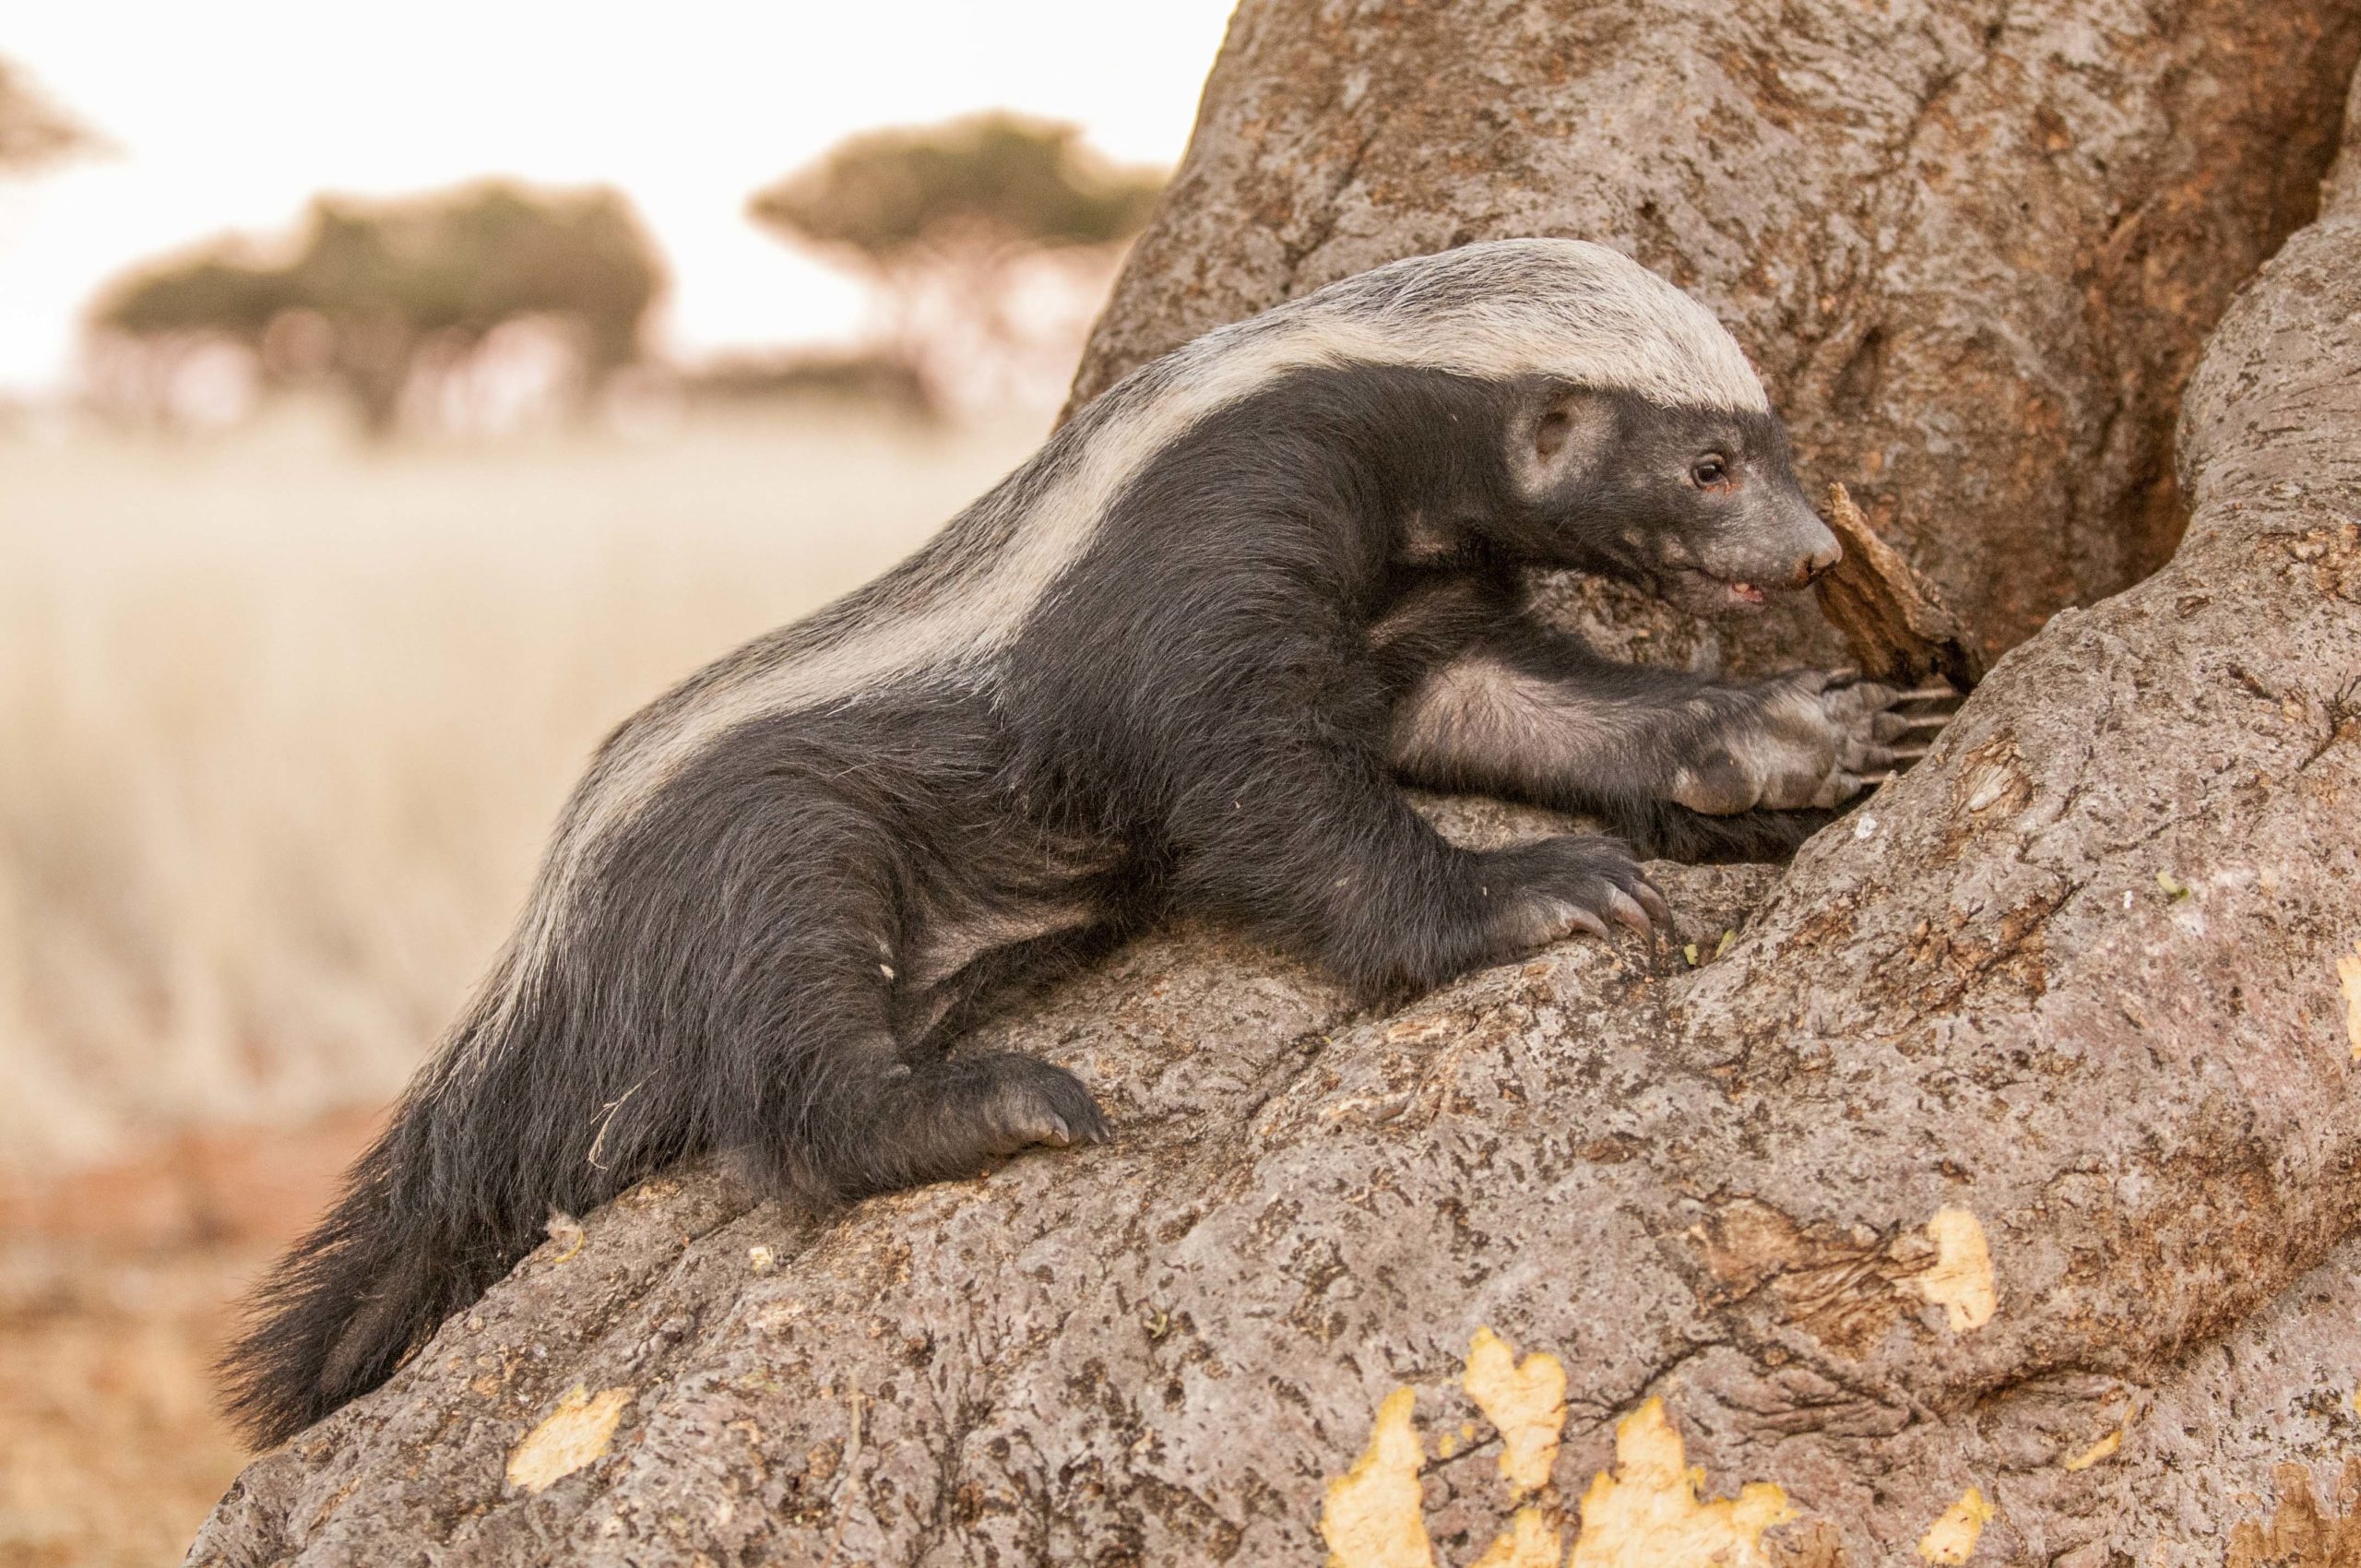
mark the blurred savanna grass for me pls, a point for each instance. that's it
(287, 719)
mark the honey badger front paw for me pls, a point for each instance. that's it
(1800, 741)
(1575, 882)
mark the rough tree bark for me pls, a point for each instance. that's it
(1985, 1197)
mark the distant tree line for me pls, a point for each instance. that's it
(989, 241)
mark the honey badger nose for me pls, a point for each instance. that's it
(1818, 561)
(1815, 548)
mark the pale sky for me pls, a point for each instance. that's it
(228, 114)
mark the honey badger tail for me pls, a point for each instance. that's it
(348, 1303)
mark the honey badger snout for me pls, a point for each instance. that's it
(1776, 541)
(1810, 547)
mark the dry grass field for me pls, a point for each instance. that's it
(282, 723)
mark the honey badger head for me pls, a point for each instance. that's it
(1639, 443)
(1698, 503)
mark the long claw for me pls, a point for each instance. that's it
(1625, 908)
(1583, 919)
(1653, 901)
(1925, 720)
(1930, 694)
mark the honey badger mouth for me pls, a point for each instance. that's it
(1702, 592)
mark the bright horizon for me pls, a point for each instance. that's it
(231, 117)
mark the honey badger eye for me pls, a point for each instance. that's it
(1709, 470)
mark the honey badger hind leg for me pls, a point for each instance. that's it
(859, 1112)
(763, 928)
(881, 1123)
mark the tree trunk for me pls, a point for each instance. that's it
(1984, 1197)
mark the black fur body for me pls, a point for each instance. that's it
(784, 887)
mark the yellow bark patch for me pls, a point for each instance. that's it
(576, 1433)
(2348, 977)
(1951, 1538)
(2104, 1449)
(1531, 1542)
(1960, 1280)
(1648, 1514)
(1526, 1402)
(1372, 1518)
(567, 1233)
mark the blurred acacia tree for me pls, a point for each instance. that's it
(374, 291)
(33, 131)
(952, 221)
(894, 195)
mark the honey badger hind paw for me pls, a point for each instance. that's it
(1033, 1102)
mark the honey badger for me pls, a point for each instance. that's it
(1184, 659)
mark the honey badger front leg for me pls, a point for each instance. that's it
(1683, 766)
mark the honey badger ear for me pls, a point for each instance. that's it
(1562, 437)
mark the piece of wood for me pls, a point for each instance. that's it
(1897, 628)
